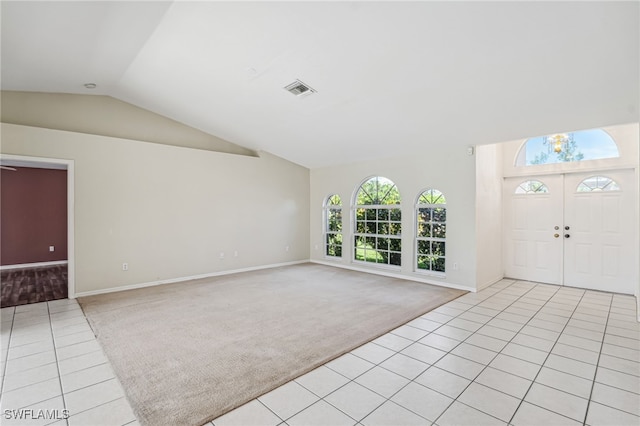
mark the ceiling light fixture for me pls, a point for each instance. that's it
(90, 85)
(298, 88)
(558, 142)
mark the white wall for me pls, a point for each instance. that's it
(449, 169)
(170, 211)
(490, 266)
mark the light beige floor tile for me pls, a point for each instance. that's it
(355, 400)
(504, 382)
(565, 382)
(619, 364)
(486, 342)
(438, 317)
(93, 396)
(424, 324)
(459, 414)
(618, 380)
(30, 361)
(578, 354)
(596, 336)
(460, 366)
(391, 414)
(77, 349)
(557, 401)
(382, 381)
(405, 366)
(602, 415)
(509, 364)
(617, 398)
(440, 342)
(321, 381)
(288, 400)
(453, 332)
(117, 412)
(443, 381)
(249, 414)
(29, 377)
(496, 332)
(50, 411)
(533, 342)
(474, 353)
(422, 401)
(87, 377)
(410, 333)
(571, 366)
(350, 365)
(490, 401)
(393, 342)
(32, 394)
(320, 414)
(30, 349)
(532, 415)
(580, 342)
(81, 362)
(424, 353)
(74, 338)
(373, 352)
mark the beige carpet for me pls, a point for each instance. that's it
(187, 353)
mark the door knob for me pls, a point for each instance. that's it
(566, 228)
(556, 235)
(567, 235)
(556, 227)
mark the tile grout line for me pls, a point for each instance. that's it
(595, 373)
(498, 353)
(545, 360)
(55, 354)
(6, 361)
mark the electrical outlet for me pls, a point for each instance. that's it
(52, 248)
(125, 266)
(456, 266)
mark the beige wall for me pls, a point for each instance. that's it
(449, 169)
(170, 211)
(490, 266)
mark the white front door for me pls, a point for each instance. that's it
(601, 247)
(578, 230)
(532, 245)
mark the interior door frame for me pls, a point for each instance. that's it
(69, 166)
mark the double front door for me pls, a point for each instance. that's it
(578, 230)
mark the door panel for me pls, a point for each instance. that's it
(601, 252)
(531, 250)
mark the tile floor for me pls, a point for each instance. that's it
(517, 353)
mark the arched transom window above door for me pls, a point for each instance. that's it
(594, 144)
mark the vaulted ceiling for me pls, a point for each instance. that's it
(392, 78)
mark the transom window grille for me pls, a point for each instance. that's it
(333, 226)
(431, 214)
(378, 222)
(598, 183)
(532, 187)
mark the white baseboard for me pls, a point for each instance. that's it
(33, 265)
(393, 275)
(490, 283)
(189, 278)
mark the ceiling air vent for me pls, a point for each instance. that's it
(299, 88)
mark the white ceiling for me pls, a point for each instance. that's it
(392, 78)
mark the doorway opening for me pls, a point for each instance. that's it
(52, 269)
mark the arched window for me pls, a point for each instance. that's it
(584, 145)
(598, 183)
(532, 187)
(377, 237)
(431, 231)
(333, 226)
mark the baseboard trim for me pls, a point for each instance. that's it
(394, 275)
(188, 278)
(490, 283)
(33, 265)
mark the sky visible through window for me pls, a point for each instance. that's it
(589, 145)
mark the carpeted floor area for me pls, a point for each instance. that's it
(187, 353)
(32, 285)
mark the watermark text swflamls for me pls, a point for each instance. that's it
(31, 414)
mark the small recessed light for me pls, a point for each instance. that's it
(90, 85)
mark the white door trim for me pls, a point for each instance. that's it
(56, 163)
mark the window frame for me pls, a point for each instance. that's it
(431, 239)
(330, 208)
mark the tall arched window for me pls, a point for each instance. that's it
(333, 226)
(583, 145)
(431, 231)
(378, 227)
